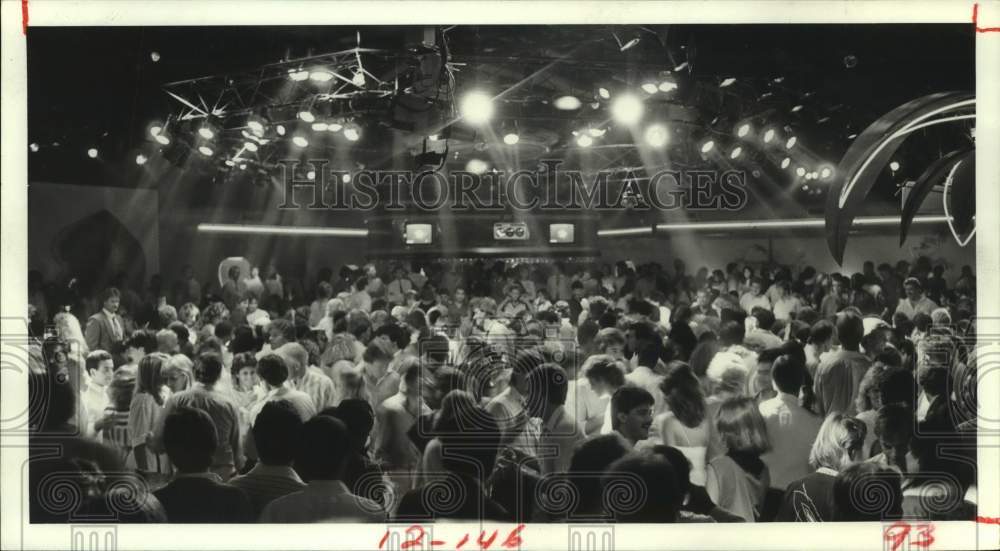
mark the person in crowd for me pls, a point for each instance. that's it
(695, 505)
(643, 471)
(509, 407)
(839, 374)
(167, 342)
(590, 394)
(197, 494)
(380, 383)
(145, 412)
(322, 452)
(738, 480)
(686, 425)
(590, 459)
(819, 343)
(632, 413)
(272, 370)
(937, 489)
(233, 289)
(306, 378)
(854, 486)
(363, 476)
(754, 298)
(227, 455)
(94, 397)
(915, 301)
(246, 384)
(648, 347)
(178, 373)
(317, 310)
(393, 418)
(138, 345)
(560, 432)
(276, 432)
(106, 330)
(838, 445)
(867, 404)
(786, 305)
(894, 427)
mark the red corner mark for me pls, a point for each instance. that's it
(24, 17)
(975, 22)
(988, 520)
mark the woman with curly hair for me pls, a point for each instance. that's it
(686, 426)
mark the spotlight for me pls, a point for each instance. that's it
(769, 135)
(567, 103)
(205, 150)
(230, 162)
(813, 175)
(785, 162)
(791, 142)
(300, 141)
(92, 153)
(667, 86)
(140, 159)
(155, 56)
(257, 124)
(650, 88)
(307, 116)
(352, 133)
(852, 136)
(243, 166)
(681, 67)
(604, 93)
(727, 82)
(206, 131)
(311, 175)
(797, 108)
(584, 140)
(298, 75)
(743, 130)
(708, 146)
(511, 138)
(334, 127)
(33, 147)
(596, 132)
(826, 173)
(250, 146)
(346, 178)
(320, 75)
(162, 138)
(894, 166)
(627, 109)
(476, 166)
(800, 171)
(657, 135)
(155, 130)
(358, 79)
(320, 126)
(280, 129)
(736, 152)
(477, 107)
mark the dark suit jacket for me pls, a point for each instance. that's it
(202, 500)
(100, 333)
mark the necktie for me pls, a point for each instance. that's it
(117, 327)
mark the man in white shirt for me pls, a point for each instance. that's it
(100, 369)
(396, 290)
(560, 431)
(790, 427)
(307, 378)
(632, 413)
(648, 346)
(590, 395)
(754, 298)
(272, 370)
(915, 301)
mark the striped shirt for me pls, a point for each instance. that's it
(265, 483)
(317, 386)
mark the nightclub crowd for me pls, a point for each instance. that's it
(528, 392)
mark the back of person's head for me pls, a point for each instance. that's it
(867, 492)
(208, 368)
(209, 345)
(376, 351)
(821, 332)
(166, 340)
(608, 320)
(590, 460)
(181, 330)
(896, 385)
(53, 402)
(394, 333)
(435, 348)
(359, 418)
(731, 333)
(224, 330)
(276, 432)
(322, 449)
(649, 351)
(609, 337)
(683, 394)
(142, 339)
(838, 442)
(272, 370)
(586, 333)
(472, 452)
(850, 330)
(681, 466)
(933, 380)
(190, 439)
(742, 427)
(765, 318)
(788, 375)
(635, 476)
(548, 384)
(606, 369)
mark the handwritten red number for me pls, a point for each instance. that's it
(381, 542)
(926, 533)
(896, 533)
(486, 543)
(465, 539)
(418, 541)
(514, 538)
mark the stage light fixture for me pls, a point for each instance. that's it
(800, 171)
(320, 75)
(298, 75)
(205, 150)
(567, 103)
(786, 162)
(657, 135)
(162, 138)
(727, 82)
(797, 108)
(650, 87)
(352, 133)
(667, 86)
(307, 116)
(140, 159)
(155, 130)
(92, 153)
(230, 162)
(346, 178)
(826, 173)
(281, 129)
(852, 136)
(813, 175)
(894, 166)
(243, 166)
(311, 175)
(511, 138)
(769, 135)
(604, 93)
(334, 127)
(250, 146)
(33, 147)
(736, 152)
(256, 123)
(790, 143)
(743, 130)
(300, 141)
(320, 126)
(155, 56)
(476, 166)
(707, 146)
(358, 79)
(627, 109)
(477, 108)
(584, 140)
(596, 132)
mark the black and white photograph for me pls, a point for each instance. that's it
(473, 285)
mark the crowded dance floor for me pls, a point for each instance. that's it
(537, 274)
